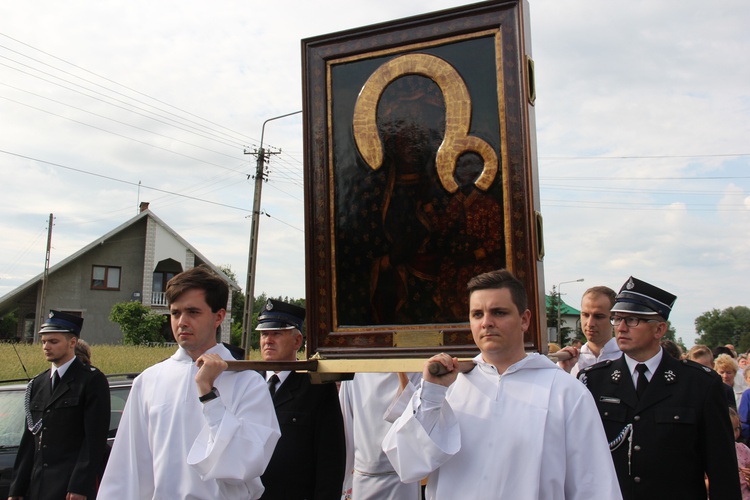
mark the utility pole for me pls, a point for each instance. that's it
(260, 176)
(45, 279)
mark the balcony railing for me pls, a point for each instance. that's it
(158, 299)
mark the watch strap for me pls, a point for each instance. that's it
(213, 394)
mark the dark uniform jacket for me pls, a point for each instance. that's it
(310, 457)
(67, 453)
(680, 429)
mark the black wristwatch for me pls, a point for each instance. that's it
(209, 396)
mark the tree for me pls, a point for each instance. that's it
(258, 303)
(729, 326)
(238, 309)
(138, 323)
(671, 334)
(9, 326)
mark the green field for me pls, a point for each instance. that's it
(108, 358)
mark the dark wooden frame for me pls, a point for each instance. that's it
(506, 24)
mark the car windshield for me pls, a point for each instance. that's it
(11, 418)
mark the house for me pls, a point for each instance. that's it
(132, 262)
(570, 318)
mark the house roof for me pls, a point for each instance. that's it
(565, 309)
(8, 298)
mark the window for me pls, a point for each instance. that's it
(161, 279)
(105, 278)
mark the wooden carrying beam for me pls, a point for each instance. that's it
(327, 370)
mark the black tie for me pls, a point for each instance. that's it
(272, 384)
(55, 379)
(642, 380)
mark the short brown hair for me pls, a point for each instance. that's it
(201, 278)
(699, 351)
(604, 291)
(499, 279)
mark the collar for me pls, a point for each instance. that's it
(61, 369)
(652, 363)
(282, 376)
(609, 347)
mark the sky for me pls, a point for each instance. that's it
(642, 126)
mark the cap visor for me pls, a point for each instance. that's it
(631, 307)
(274, 325)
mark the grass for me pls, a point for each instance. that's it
(108, 358)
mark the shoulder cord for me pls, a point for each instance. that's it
(33, 427)
(627, 432)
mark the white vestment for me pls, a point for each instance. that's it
(171, 446)
(587, 358)
(370, 404)
(533, 432)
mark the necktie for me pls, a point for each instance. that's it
(55, 380)
(642, 380)
(272, 384)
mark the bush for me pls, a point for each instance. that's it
(138, 323)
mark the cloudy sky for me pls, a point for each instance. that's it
(643, 120)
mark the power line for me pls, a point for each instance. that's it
(120, 85)
(644, 157)
(236, 144)
(124, 181)
(118, 121)
(120, 135)
(649, 179)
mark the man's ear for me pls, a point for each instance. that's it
(525, 320)
(661, 330)
(220, 315)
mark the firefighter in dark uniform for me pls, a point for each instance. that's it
(67, 420)
(310, 458)
(666, 419)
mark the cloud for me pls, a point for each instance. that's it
(182, 90)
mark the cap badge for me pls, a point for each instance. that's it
(616, 376)
(269, 305)
(630, 285)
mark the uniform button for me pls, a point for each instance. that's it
(637, 479)
(294, 420)
(606, 413)
(637, 418)
(676, 417)
(637, 448)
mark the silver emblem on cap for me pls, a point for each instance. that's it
(269, 305)
(51, 315)
(630, 285)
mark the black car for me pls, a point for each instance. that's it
(13, 418)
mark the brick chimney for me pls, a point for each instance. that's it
(144, 206)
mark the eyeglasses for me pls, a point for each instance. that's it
(630, 321)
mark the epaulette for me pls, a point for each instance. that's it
(596, 366)
(697, 366)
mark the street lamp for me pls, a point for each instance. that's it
(559, 304)
(247, 316)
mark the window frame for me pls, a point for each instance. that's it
(106, 277)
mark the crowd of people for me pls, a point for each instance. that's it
(628, 416)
